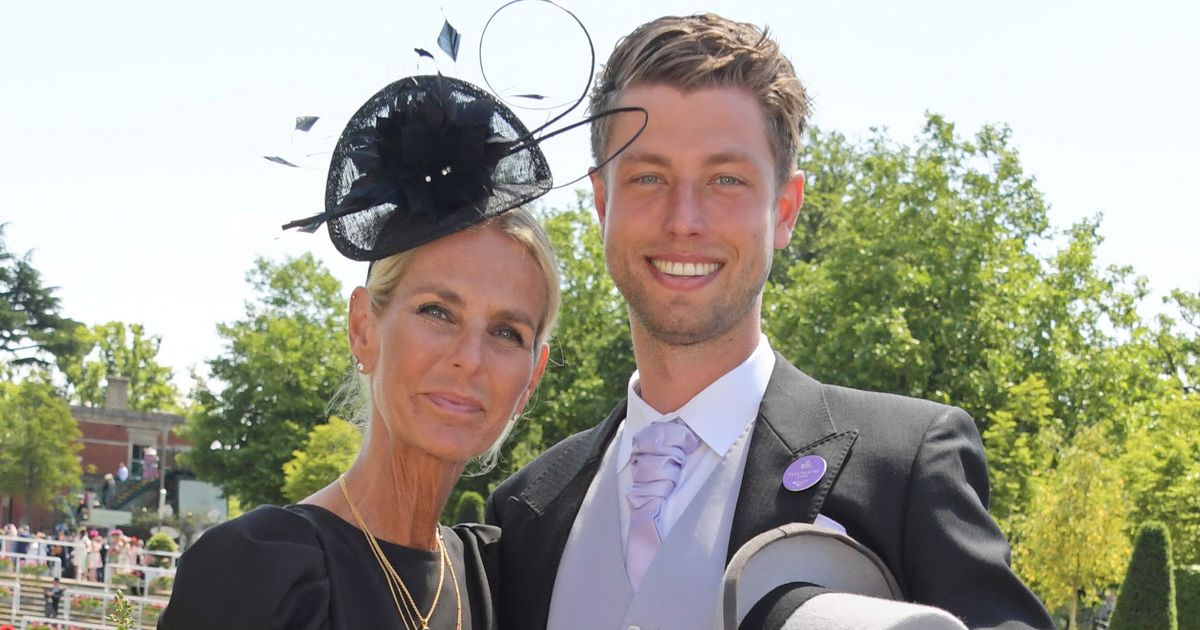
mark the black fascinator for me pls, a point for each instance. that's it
(430, 155)
(423, 158)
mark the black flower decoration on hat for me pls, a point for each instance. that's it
(429, 155)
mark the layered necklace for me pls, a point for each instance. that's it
(406, 605)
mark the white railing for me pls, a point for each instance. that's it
(14, 590)
(84, 548)
(7, 541)
(149, 574)
(58, 623)
(139, 603)
(172, 555)
(27, 559)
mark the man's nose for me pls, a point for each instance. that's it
(685, 214)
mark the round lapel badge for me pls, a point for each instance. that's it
(804, 473)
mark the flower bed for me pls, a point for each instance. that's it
(85, 605)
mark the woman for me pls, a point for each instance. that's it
(448, 336)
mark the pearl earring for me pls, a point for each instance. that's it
(358, 365)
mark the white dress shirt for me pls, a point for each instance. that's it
(718, 415)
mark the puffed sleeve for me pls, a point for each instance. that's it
(480, 553)
(264, 569)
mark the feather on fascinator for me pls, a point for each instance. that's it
(427, 156)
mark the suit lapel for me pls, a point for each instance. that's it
(548, 506)
(793, 421)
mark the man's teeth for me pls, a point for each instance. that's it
(684, 269)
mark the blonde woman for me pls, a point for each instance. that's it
(448, 336)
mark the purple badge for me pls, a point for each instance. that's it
(804, 473)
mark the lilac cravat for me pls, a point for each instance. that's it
(659, 453)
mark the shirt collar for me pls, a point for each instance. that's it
(718, 414)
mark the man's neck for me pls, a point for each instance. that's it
(671, 375)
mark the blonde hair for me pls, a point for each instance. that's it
(354, 397)
(707, 51)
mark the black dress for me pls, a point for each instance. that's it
(301, 566)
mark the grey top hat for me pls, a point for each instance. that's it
(804, 577)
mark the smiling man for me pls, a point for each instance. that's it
(631, 523)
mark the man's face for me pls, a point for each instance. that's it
(691, 212)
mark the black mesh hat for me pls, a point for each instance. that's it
(424, 157)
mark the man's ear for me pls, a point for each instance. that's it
(787, 210)
(364, 342)
(599, 197)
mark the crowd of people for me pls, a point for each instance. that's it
(84, 554)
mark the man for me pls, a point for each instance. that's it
(53, 596)
(631, 523)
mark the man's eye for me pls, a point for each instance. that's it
(648, 179)
(727, 180)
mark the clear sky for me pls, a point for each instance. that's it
(131, 132)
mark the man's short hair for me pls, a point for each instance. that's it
(707, 51)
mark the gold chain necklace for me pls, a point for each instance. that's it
(410, 614)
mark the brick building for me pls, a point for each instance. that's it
(112, 435)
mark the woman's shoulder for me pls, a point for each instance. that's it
(263, 569)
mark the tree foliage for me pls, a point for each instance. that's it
(328, 452)
(1073, 538)
(31, 325)
(281, 364)
(918, 270)
(38, 443)
(470, 508)
(119, 349)
(1147, 596)
(1162, 460)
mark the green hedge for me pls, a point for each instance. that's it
(470, 508)
(1187, 598)
(1147, 597)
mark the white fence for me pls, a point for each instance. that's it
(71, 596)
(148, 574)
(21, 563)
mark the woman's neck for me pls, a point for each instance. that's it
(398, 491)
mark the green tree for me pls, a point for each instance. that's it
(119, 349)
(470, 508)
(31, 325)
(1162, 460)
(38, 443)
(1147, 597)
(328, 452)
(930, 269)
(1073, 539)
(281, 363)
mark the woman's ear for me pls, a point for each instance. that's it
(364, 343)
(539, 368)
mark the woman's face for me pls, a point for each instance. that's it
(452, 357)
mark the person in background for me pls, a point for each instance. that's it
(150, 463)
(53, 595)
(122, 473)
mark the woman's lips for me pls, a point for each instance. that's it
(454, 403)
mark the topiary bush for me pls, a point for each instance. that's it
(1187, 598)
(1147, 597)
(470, 508)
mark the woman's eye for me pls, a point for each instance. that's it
(434, 310)
(511, 334)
